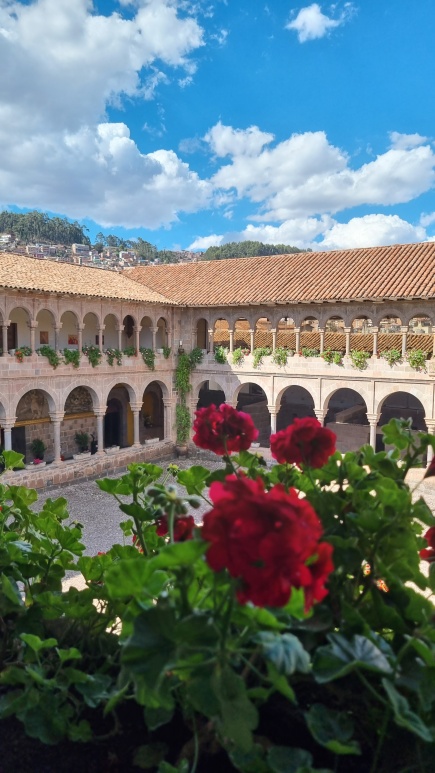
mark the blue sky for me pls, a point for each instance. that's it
(196, 122)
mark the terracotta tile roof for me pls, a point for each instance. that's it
(398, 271)
(23, 272)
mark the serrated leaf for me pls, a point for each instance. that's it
(13, 459)
(343, 656)
(179, 554)
(404, 716)
(238, 715)
(194, 479)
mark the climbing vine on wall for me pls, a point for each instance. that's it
(185, 365)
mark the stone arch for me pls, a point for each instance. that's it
(32, 422)
(152, 415)
(146, 335)
(132, 391)
(346, 415)
(91, 325)
(95, 397)
(4, 405)
(253, 399)
(420, 320)
(68, 334)
(293, 401)
(45, 330)
(20, 317)
(388, 314)
(34, 408)
(129, 323)
(111, 324)
(285, 332)
(80, 402)
(13, 304)
(209, 392)
(221, 336)
(263, 332)
(403, 404)
(118, 419)
(162, 333)
(242, 336)
(310, 336)
(201, 333)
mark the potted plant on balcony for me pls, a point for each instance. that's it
(82, 440)
(38, 449)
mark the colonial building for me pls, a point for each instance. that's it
(347, 336)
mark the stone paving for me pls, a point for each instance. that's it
(100, 514)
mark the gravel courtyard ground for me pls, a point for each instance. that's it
(100, 514)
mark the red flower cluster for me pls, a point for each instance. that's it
(223, 430)
(305, 441)
(428, 554)
(183, 527)
(265, 539)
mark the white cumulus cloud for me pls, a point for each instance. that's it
(371, 231)
(204, 242)
(311, 23)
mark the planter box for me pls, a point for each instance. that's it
(83, 455)
(152, 440)
(112, 450)
(35, 466)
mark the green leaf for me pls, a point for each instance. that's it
(148, 757)
(114, 486)
(70, 654)
(238, 715)
(151, 651)
(404, 716)
(95, 689)
(332, 729)
(81, 732)
(283, 759)
(280, 683)
(285, 651)
(155, 718)
(194, 479)
(398, 433)
(13, 459)
(342, 656)
(37, 644)
(179, 554)
(202, 696)
(10, 589)
(253, 761)
(135, 577)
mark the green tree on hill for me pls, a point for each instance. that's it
(248, 249)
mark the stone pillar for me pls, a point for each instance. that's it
(101, 330)
(231, 333)
(137, 330)
(57, 329)
(430, 424)
(136, 408)
(273, 339)
(373, 419)
(100, 414)
(80, 329)
(5, 337)
(273, 413)
(168, 420)
(56, 420)
(347, 332)
(33, 326)
(211, 340)
(321, 330)
(404, 331)
(320, 415)
(154, 331)
(119, 330)
(252, 334)
(375, 331)
(298, 340)
(7, 425)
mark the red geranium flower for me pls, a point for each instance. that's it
(223, 430)
(305, 441)
(265, 538)
(428, 554)
(183, 527)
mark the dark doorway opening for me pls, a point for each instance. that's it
(112, 424)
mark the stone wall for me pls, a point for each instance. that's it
(350, 436)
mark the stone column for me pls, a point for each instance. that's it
(33, 326)
(211, 340)
(7, 425)
(430, 424)
(273, 413)
(56, 420)
(320, 415)
(5, 337)
(137, 330)
(375, 331)
(231, 334)
(373, 419)
(100, 414)
(57, 329)
(321, 330)
(298, 340)
(273, 331)
(101, 330)
(119, 330)
(347, 331)
(252, 334)
(154, 331)
(168, 420)
(80, 329)
(136, 408)
(433, 338)
(404, 331)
